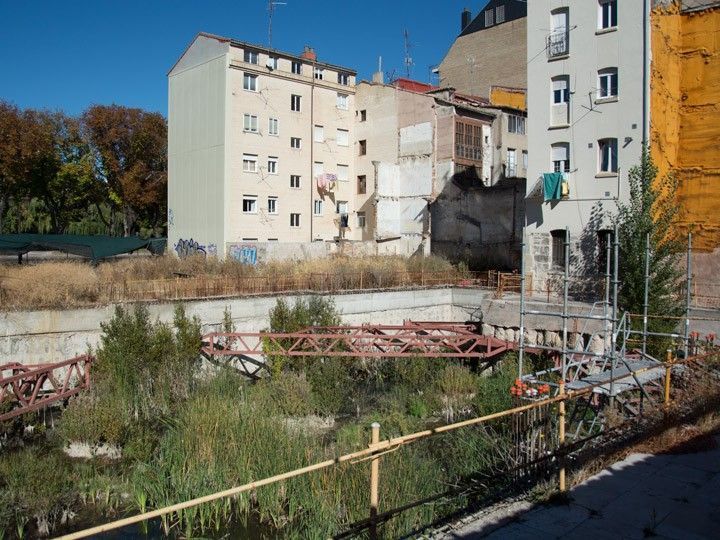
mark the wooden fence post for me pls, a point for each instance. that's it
(374, 480)
(668, 369)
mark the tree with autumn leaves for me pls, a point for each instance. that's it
(104, 172)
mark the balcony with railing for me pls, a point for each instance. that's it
(558, 44)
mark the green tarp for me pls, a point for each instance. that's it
(92, 247)
(552, 186)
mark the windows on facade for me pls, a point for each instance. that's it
(295, 103)
(362, 145)
(341, 207)
(489, 17)
(249, 204)
(272, 167)
(342, 101)
(560, 111)
(500, 14)
(561, 157)
(607, 14)
(607, 155)
(272, 62)
(363, 115)
(558, 247)
(342, 173)
(525, 159)
(361, 220)
(317, 207)
(607, 83)
(362, 184)
(318, 169)
(272, 205)
(604, 239)
(250, 82)
(295, 142)
(250, 162)
(558, 42)
(273, 128)
(251, 57)
(318, 133)
(516, 124)
(468, 141)
(294, 220)
(295, 181)
(343, 78)
(296, 68)
(342, 137)
(511, 164)
(319, 73)
(250, 123)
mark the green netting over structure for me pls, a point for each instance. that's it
(92, 247)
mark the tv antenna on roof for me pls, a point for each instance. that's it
(271, 11)
(408, 59)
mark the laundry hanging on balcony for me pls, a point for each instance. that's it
(552, 186)
(326, 181)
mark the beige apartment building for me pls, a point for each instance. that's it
(261, 149)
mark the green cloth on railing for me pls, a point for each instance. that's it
(552, 186)
(92, 247)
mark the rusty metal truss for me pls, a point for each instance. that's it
(411, 339)
(28, 388)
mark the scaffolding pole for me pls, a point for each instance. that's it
(646, 294)
(521, 345)
(606, 304)
(613, 344)
(566, 279)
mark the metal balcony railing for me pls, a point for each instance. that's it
(558, 44)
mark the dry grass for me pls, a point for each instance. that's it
(72, 284)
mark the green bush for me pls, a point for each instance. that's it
(287, 394)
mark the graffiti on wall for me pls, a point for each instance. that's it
(188, 248)
(244, 254)
(212, 250)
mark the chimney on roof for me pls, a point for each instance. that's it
(465, 18)
(309, 54)
(378, 76)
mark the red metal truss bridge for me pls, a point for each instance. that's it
(26, 388)
(411, 339)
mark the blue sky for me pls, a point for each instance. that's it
(68, 54)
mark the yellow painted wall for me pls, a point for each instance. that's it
(508, 97)
(685, 115)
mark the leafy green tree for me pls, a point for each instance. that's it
(12, 156)
(651, 210)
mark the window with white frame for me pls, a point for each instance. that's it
(250, 123)
(318, 169)
(295, 103)
(249, 204)
(500, 14)
(272, 205)
(341, 207)
(608, 155)
(250, 162)
(295, 181)
(295, 142)
(250, 82)
(272, 62)
(318, 133)
(272, 167)
(342, 137)
(607, 14)
(516, 124)
(317, 207)
(273, 127)
(343, 78)
(560, 153)
(525, 159)
(319, 73)
(361, 220)
(607, 83)
(561, 90)
(342, 173)
(489, 17)
(296, 68)
(342, 101)
(511, 163)
(294, 220)
(251, 57)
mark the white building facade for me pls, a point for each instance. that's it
(587, 110)
(261, 148)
